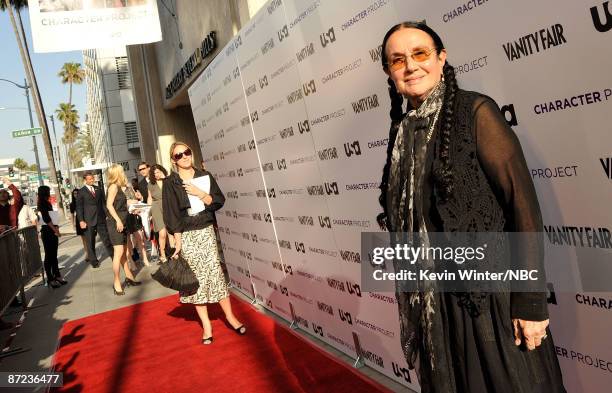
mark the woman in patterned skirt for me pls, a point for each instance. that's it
(194, 236)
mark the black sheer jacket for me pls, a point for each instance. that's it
(175, 204)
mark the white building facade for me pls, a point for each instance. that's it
(110, 108)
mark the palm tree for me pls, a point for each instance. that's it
(17, 4)
(85, 143)
(20, 164)
(71, 73)
(70, 117)
(22, 43)
(74, 155)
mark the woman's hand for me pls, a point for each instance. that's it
(531, 332)
(193, 190)
(119, 226)
(56, 230)
(138, 195)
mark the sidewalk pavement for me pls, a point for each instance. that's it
(89, 291)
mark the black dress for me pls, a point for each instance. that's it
(50, 242)
(134, 222)
(475, 352)
(120, 205)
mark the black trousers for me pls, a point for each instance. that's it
(90, 238)
(50, 244)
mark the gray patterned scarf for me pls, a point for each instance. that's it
(406, 176)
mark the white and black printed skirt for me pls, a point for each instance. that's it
(200, 251)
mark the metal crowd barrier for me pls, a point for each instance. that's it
(20, 260)
(31, 261)
(10, 268)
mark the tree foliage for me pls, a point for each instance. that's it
(20, 164)
(71, 73)
(85, 143)
(17, 4)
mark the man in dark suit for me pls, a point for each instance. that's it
(143, 185)
(92, 217)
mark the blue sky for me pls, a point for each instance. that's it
(46, 66)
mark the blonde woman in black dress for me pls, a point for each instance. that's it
(194, 236)
(116, 223)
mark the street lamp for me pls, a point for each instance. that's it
(27, 94)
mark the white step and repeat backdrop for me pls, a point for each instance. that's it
(292, 117)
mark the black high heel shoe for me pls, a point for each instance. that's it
(241, 330)
(54, 284)
(118, 293)
(207, 340)
(61, 281)
(131, 283)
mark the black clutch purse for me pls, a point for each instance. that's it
(176, 274)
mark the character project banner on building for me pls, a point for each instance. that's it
(292, 117)
(65, 25)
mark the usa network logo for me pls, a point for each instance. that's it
(352, 148)
(601, 26)
(309, 88)
(331, 188)
(282, 33)
(508, 111)
(327, 37)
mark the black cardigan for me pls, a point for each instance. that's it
(175, 204)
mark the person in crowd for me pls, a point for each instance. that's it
(194, 236)
(116, 221)
(49, 232)
(136, 188)
(92, 217)
(450, 148)
(156, 176)
(75, 223)
(10, 205)
(143, 170)
(26, 217)
(135, 240)
(143, 187)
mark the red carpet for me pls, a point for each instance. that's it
(156, 347)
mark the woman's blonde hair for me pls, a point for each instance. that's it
(116, 175)
(172, 147)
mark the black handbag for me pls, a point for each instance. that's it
(176, 274)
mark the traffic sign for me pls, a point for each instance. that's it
(27, 132)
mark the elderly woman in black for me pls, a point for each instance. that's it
(49, 232)
(194, 236)
(454, 165)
